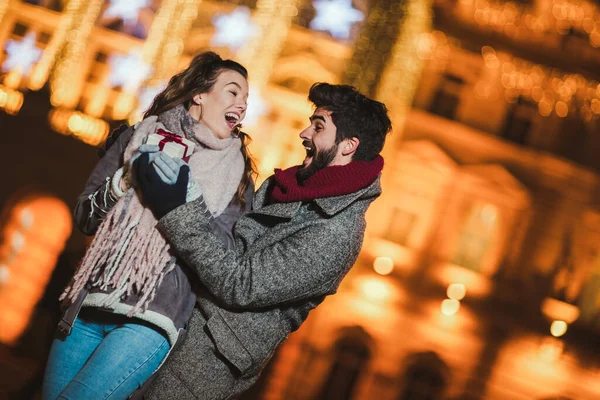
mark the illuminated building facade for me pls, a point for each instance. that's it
(480, 273)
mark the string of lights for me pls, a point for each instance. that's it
(402, 73)
(65, 79)
(509, 77)
(374, 45)
(42, 69)
(385, 62)
(172, 48)
(274, 19)
(3, 8)
(515, 19)
(167, 36)
(151, 51)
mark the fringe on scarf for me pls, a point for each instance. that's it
(128, 256)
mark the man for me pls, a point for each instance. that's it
(303, 235)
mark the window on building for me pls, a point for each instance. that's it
(589, 297)
(476, 236)
(19, 29)
(352, 354)
(56, 5)
(400, 226)
(447, 97)
(519, 121)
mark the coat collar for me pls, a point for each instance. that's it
(329, 205)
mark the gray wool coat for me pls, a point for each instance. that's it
(288, 257)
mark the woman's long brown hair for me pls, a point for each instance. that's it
(200, 77)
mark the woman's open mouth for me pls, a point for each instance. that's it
(232, 119)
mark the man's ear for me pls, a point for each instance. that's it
(349, 146)
(197, 99)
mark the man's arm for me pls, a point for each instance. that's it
(310, 262)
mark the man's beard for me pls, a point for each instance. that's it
(320, 160)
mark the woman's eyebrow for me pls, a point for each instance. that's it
(235, 83)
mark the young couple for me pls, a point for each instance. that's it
(192, 275)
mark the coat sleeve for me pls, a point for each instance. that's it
(309, 263)
(86, 214)
(222, 226)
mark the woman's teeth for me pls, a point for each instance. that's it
(232, 119)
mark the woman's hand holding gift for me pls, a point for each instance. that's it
(163, 182)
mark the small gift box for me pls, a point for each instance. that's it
(173, 145)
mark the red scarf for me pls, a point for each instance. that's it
(336, 180)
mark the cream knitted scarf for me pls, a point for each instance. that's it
(128, 255)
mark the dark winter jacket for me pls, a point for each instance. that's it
(172, 305)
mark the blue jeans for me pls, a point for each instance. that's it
(106, 356)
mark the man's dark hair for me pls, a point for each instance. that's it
(354, 115)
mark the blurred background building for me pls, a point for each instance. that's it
(480, 272)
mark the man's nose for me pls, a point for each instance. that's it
(305, 134)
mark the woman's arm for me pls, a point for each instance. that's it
(96, 200)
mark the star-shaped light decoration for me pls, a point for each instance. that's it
(257, 107)
(147, 95)
(127, 10)
(145, 99)
(234, 30)
(128, 71)
(336, 17)
(21, 54)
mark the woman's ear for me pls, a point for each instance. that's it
(350, 145)
(197, 99)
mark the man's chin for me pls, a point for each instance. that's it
(304, 172)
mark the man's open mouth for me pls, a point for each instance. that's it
(310, 151)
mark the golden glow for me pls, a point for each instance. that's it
(3, 7)
(477, 284)
(375, 289)
(383, 265)
(274, 19)
(13, 78)
(67, 73)
(561, 109)
(456, 291)
(97, 102)
(88, 129)
(173, 41)
(555, 309)
(402, 73)
(69, 17)
(162, 50)
(44, 223)
(558, 328)
(450, 307)
(11, 100)
(123, 106)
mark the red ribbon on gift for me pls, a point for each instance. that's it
(171, 137)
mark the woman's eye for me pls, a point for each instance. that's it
(233, 92)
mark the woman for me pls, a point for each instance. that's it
(135, 298)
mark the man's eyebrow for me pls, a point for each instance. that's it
(313, 117)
